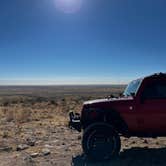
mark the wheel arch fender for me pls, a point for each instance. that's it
(114, 118)
(97, 124)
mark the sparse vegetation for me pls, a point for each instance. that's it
(23, 104)
(40, 113)
(34, 120)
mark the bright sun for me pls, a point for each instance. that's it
(68, 6)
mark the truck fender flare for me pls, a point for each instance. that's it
(96, 124)
(114, 118)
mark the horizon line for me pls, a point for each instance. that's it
(63, 84)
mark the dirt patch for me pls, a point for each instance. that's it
(34, 132)
(64, 147)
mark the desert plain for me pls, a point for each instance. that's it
(34, 129)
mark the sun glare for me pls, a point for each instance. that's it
(68, 6)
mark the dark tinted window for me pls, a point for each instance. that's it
(155, 90)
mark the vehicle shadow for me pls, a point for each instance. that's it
(130, 157)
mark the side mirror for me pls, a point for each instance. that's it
(132, 94)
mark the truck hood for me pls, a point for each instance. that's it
(107, 100)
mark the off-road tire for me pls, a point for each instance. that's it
(108, 149)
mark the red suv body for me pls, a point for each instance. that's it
(140, 111)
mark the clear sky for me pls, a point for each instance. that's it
(81, 41)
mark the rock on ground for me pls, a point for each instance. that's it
(58, 145)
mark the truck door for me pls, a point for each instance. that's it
(152, 108)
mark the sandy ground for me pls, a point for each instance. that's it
(58, 145)
(34, 132)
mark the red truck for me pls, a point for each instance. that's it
(140, 112)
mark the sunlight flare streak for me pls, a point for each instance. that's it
(68, 6)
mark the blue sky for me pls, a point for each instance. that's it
(102, 41)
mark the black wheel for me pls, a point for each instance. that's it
(101, 142)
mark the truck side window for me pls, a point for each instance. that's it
(161, 90)
(150, 91)
(156, 90)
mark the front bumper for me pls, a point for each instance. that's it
(74, 121)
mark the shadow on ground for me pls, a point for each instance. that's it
(129, 157)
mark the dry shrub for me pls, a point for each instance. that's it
(18, 114)
(22, 115)
(2, 112)
(9, 115)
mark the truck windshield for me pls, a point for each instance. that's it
(132, 87)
